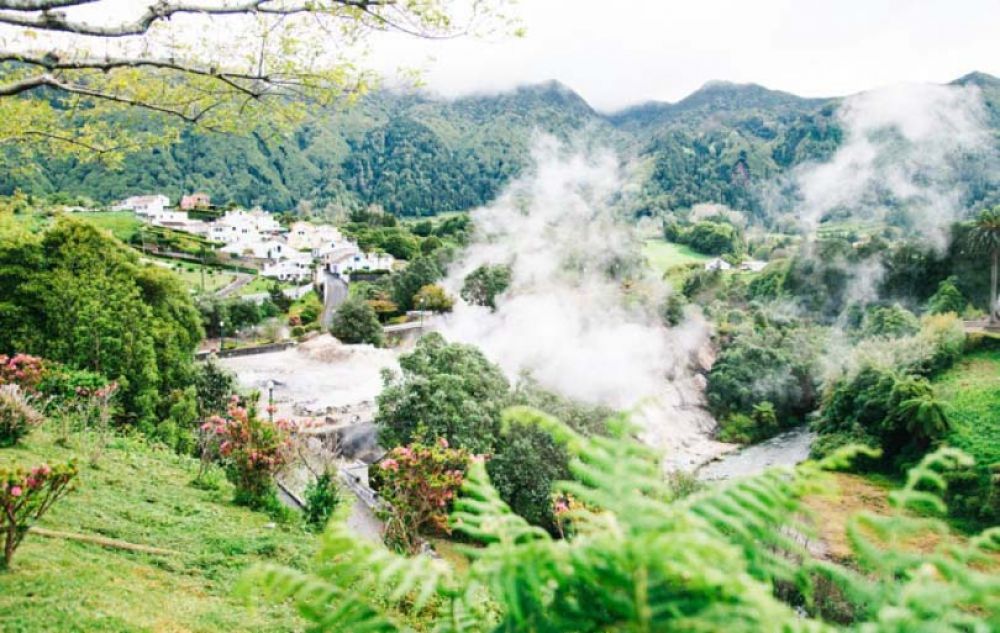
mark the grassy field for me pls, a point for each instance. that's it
(971, 392)
(190, 274)
(144, 496)
(663, 255)
(122, 224)
(261, 284)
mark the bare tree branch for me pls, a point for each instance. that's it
(21, 86)
(258, 84)
(41, 5)
(164, 9)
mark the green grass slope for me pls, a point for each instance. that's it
(971, 391)
(663, 255)
(143, 495)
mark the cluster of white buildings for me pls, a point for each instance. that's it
(750, 265)
(295, 255)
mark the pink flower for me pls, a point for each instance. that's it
(443, 442)
(15, 491)
(390, 464)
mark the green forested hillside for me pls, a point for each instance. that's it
(417, 155)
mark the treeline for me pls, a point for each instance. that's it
(418, 156)
(77, 296)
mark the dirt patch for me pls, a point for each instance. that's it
(847, 495)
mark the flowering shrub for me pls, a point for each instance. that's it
(22, 370)
(419, 482)
(17, 414)
(251, 448)
(27, 495)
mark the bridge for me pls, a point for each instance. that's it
(409, 331)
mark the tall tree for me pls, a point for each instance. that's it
(985, 238)
(78, 296)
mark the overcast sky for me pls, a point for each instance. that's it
(616, 52)
(621, 52)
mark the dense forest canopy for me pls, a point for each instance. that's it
(416, 155)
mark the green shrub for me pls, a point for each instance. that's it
(736, 428)
(66, 383)
(322, 497)
(214, 385)
(890, 321)
(434, 298)
(947, 298)
(356, 322)
(483, 285)
(713, 238)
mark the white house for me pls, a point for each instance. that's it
(264, 249)
(359, 261)
(331, 252)
(231, 234)
(717, 264)
(164, 217)
(288, 270)
(244, 226)
(753, 266)
(144, 205)
(307, 236)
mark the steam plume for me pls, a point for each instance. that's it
(565, 320)
(905, 149)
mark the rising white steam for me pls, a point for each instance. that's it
(564, 320)
(903, 148)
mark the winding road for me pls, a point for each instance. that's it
(334, 294)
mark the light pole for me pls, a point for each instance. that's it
(222, 336)
(270, 400)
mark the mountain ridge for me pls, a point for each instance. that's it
(417, 154)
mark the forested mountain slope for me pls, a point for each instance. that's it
(417, 155)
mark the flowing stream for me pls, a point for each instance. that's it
(787, 449)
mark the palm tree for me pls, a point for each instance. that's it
(985, 238)
(925, 418)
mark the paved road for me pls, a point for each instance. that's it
(334, 294)
(981, 326)
(242, 279)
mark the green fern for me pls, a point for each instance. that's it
(638, 560)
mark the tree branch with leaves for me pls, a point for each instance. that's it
(73, 72)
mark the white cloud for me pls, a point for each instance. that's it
(617, 54)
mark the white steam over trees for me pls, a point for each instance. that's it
(579, 315)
